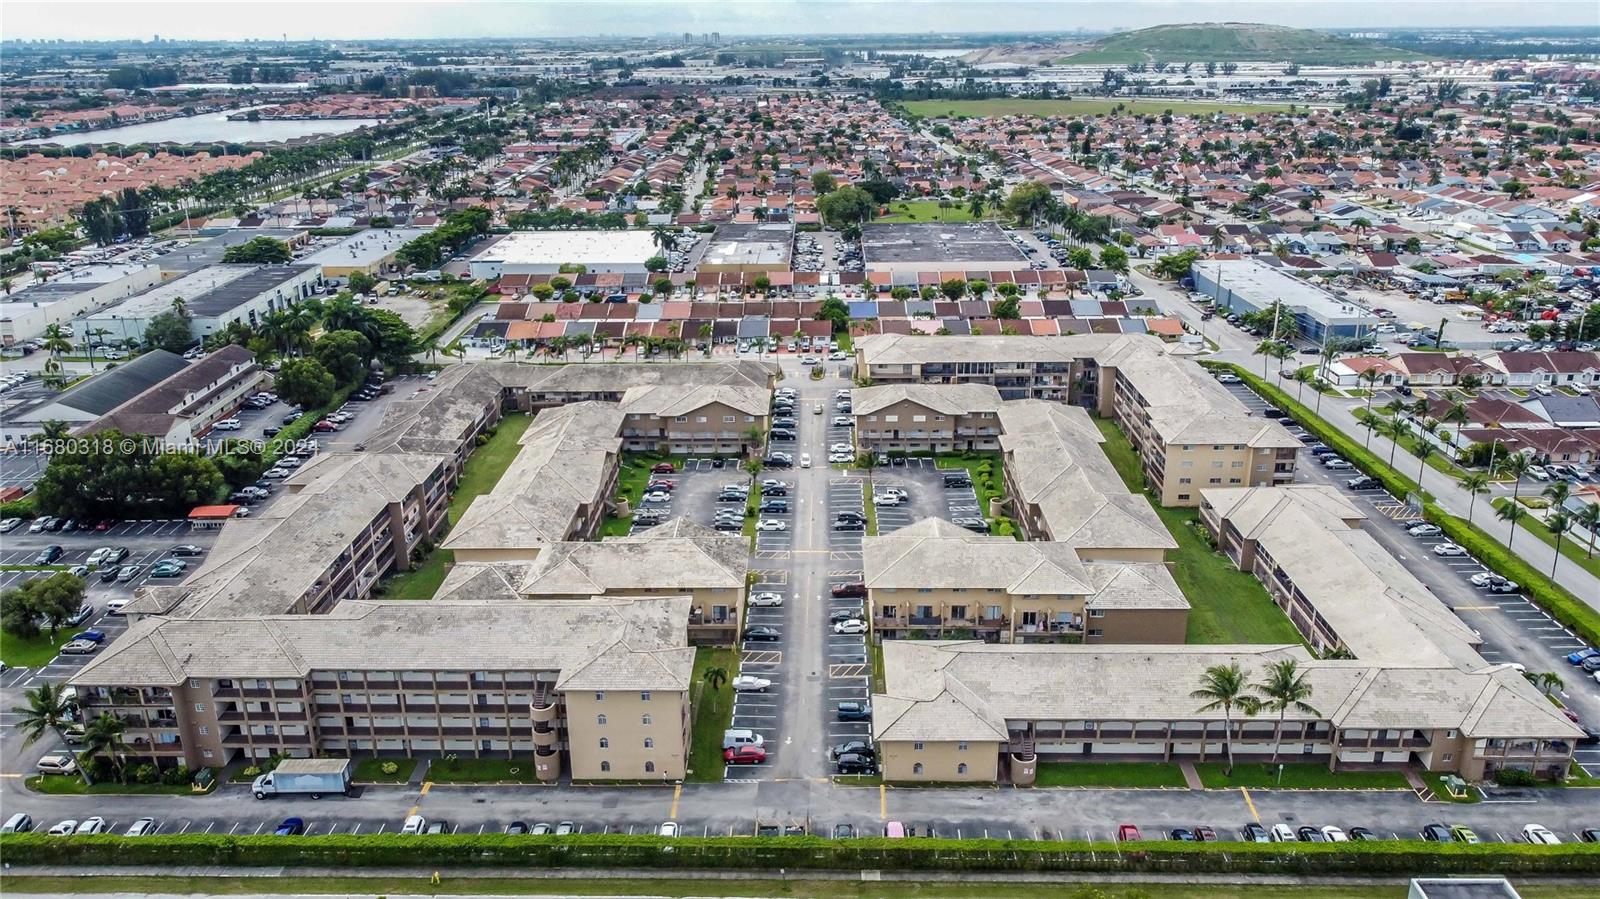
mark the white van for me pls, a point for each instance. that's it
(738, 736)
(1282, 833)
(415, 824)
(18, 823)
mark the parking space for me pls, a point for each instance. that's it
(845, 500)
(760, 710)
(849, 666)
(775, 517)
(918, 493)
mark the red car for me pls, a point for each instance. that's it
(325, 426)
(746, 754)
(663, 468)
(1127, 833)
(105, 524)
(661, 484)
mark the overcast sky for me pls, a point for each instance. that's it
(333, 19)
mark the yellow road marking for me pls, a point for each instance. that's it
(676, 792)
(883, 802)
(426, 786)
(413, 810)
(1253, 813)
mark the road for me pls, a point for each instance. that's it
(1235, 346)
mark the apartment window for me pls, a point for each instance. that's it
(682, 418)
(1186, 463)
(992, 612)
(938, 418)
(605, 743)
(645, 720)
(644, 696)
(1449, 735)
(206, 753)
(700, 419)
(917, 746)
(1097, 613)
(599, 697)
(727, 419)
(1094, 632)
(1213, 480)
(872, 418)
(919, 418)
(1216, 446)
(600, 720)
(917, 768)
(1183, 496)
(649, 743)
(891, 418)
(204, 730)
(1448, 756)
(649, 767)
(1237, 465)
(1186, 480)
(961, 747)
(199, 706)
(605, 766)
(194, 683)
(961, 768)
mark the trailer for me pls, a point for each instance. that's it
(305, 777)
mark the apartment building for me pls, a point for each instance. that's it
(545, 386)
(1189, 431)
(926, 417)
(183, 406)
(463, 402)
(1017, 367)
(719, 420)
(597, 688)
(346, 520)
(935, 579)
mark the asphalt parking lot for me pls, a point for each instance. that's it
(1513, 628)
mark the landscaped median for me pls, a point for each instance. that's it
(1555, 599)
(347, 851)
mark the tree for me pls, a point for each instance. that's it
(1513, 513)
(1285, 688)
(834, 310)
(305, 382)
(104, 737)
(259, 250)
(19, 616)
(1589, 517)
(1176, 265)
(169, 331)
(56, 598)
(823, 183)
(1558, 524)
(1476, 483)
(1114, 259)
(1080, 258)
(47, 710)
(662, 287)
(656, 264)
(1423, 451)
(716, 677)
(1028, 201)
(1008, 308)
(1224, 687)
(954, 288)
(847, 205)
(109, 477)
(361, 282)
(344, 354)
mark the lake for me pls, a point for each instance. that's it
(202, 129)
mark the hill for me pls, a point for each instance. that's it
(1233, 42)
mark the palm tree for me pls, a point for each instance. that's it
(1511, 512)
(1224, 687)
(55, 340)
(1423, 451)
(1302, 376)
(716, 677)
(1559, 524)
(1266, 349)
(103, 736)
(1557, 494)
(54, 431)
(1285, 688)
(1516, 465)
(1589, 517)
(47, 710)
(1476, 483)
(1394, 429)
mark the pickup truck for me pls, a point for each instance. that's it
(312, 777)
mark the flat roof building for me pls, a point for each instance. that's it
(938, 245)
(745, 247)
(371, 252)
(195, 255)
(70, 295)
(544, 252)
(213, 297)
(1247, 285)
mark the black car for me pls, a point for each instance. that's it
(48, 555)
(1437, 833)
(976, 525)
(855, 764)
(777, 462)
(1184, 834)
(958, 480)
(853, 711)
(847, 615)
(775, 505)
(1254, 833)
(1590, 834)
(783, 436)
(853, 747)
(844, 831)
(270, 431)
(723, 524)
(291, 418)
(1322, 449)
(517, 828)
(850, 516)
(731, 496)
(846, 524)
(1309, 834)
(108, 574)
(761, 632)
(774, 490)
(1361, 833)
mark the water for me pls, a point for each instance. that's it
(209, 128)
(943, 53)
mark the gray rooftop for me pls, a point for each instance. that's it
(750, 244)
(939, 244)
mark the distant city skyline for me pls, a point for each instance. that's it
(358, 19)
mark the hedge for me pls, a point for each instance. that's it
(1394, 857)
(301, 428)
(19, 508)
(1555, 599)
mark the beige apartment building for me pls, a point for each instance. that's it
(695, 421)
(1016, 367)
(597, 688)
(546, 386)
(926, 417)
(935, 579)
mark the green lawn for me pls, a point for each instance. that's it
(1299, 776)
(61, 785)
(1574, 550)
(926, 211)
(711, 712)
(872, 510)
(32, 652)
(482, 471)
(1023, 106)
(370, 770)
(197, 885)
(464, 770)
(1435, 781)
(1226, 604)
(633, 474)
(987, 486)
(1129, 775)
(877, 666)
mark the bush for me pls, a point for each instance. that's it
(1515, 777)
(146, 774)
(19, 508)
(251, 771)
(389, 768)
(175, 777)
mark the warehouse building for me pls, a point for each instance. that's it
(212, 296)
(939, 246)
(183, 407)
(545, 252)
(744, 247)
(1248, 285)
(371, 252)
(68, 296)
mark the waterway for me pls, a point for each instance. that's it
(208, 128)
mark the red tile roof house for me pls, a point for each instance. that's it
(1347, 372)
(1439, 370)
(1552, 369)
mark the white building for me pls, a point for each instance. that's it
(212, 296)
(544, 252)
(70, 295)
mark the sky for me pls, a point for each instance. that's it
(376, 19)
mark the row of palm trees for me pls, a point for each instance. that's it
(1228, 688)
(48, 710)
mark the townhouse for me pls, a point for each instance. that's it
(596, 688)
(1552, 369)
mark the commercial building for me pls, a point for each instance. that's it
(183, 407)
(213, 297)
(749, 247)
(1248, 285)
(598, 688)
(207, 251)
(545, 252)
(938, 246)
(89, 400)
(70, 295)
(370, 252)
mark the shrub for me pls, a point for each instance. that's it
(1515, 777)
(146, 774)
(389, 768)
(19, 508)
(175, 777)
(252, 771)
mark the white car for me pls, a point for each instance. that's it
(749, 683)
(1228, 379)
(1334, 835)
(98, 556)
(668, 829)
(1538, 473)
(843, 421)
(772, 524)
(886, 499)
(809, 360)
(1448, 549)
(765, 599)
(805, 460)
(229, 424)
(92, 825)
(845, 458)
(817, 409)
(660, 496)
(141, 828)
(1539, 835)
(850, 626)
(275, 472)
(837, 356)
(114, 606)
(63, 829)
(79, 647)
(841, 448)
(414, 824)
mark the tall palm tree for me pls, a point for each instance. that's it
(1394, 429)
(1559, 524)
(1516, 465)
(1511, 512)
(104, 736)
(1476, 483)
(1370, 376)
(716, 677)
(54, 431)
(1285, 688)
(55, 340)
(1224, 687)
(1423, 451)
(1557, 493)
(47, 710)
(1589, 517)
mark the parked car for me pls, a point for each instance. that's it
(747, 754)
(855, 763)
(290, 827)
(1424, 530)
(853, 711)
(1448, 550)
(142, 827)
(760, 632)
(850, 626)
(749, 683)
(1464, 834)
(1252, 832)
(90, 826)
(1128, 833)
(765, 599)
(1360, 834)
(79, 647)
(853, 589)
(663, 468)
(1539, 835)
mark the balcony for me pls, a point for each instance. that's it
(881, 622)
(926, 620)
(1002, 621)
